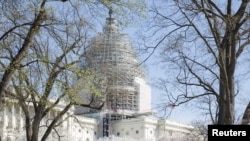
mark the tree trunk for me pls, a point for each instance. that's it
(35, 126)
(28, 128)
(229, 114)
(246, 116)
(226, 86)
(55, 120)
(221, 101)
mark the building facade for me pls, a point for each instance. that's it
(85, 127)
(127, 114)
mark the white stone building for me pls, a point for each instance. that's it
(143, 127)
(127, 114)
(73, 127)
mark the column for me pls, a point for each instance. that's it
(20, 119)
(5, 121)
(13, 120)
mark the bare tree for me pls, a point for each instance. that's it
(200, 131)
(246, 116)
(205, 43)
(42, 44)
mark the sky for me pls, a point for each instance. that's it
(181, 114)
(184, 113)
(187, 113)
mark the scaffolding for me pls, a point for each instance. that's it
(111, 55)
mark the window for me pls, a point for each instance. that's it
(137, 132)
(118, 134)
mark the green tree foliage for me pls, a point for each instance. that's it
(41, 46)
